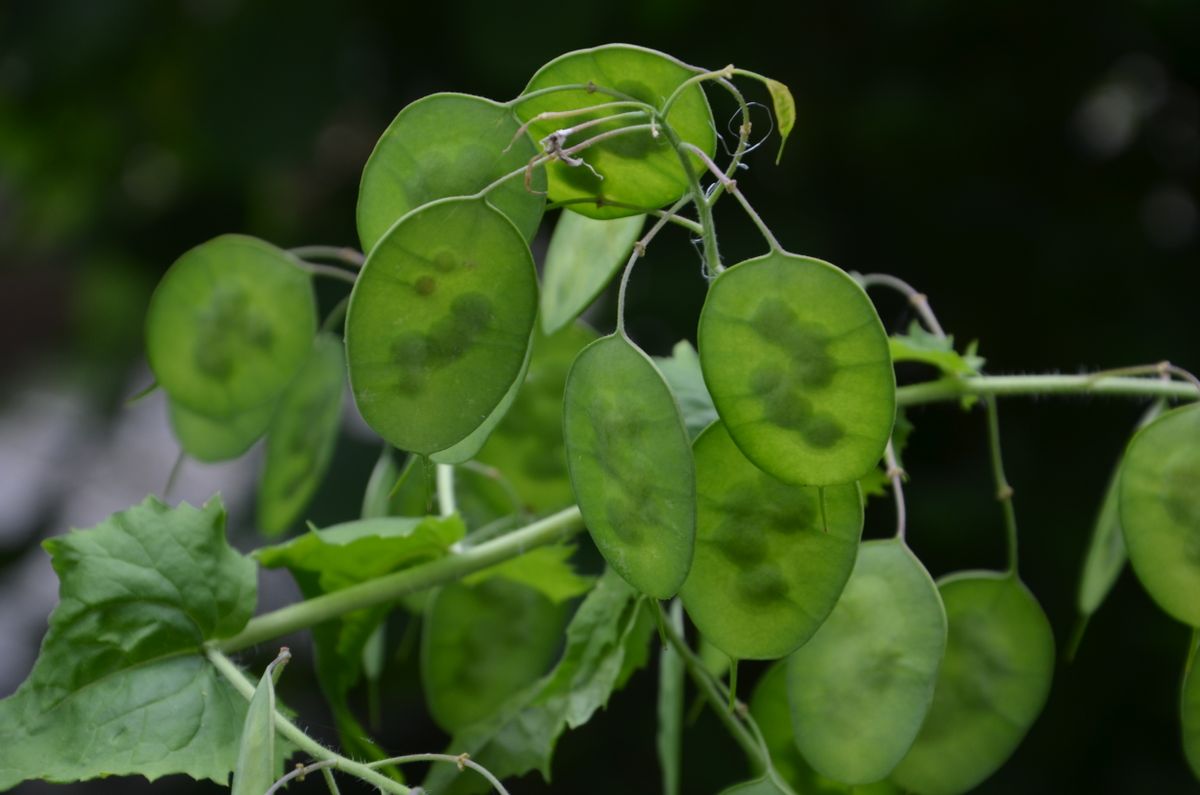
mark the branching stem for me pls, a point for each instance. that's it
(916, 298)
(462, 760)
(639, 250)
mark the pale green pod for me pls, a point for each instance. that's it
(1160, 510)
(481, 644)
(859, 689)
(212, 439)
(302, 437)
(583, 257)
(639, 169)
(770, 559)
(439, 323)
(1189, 708)
(469, 447)
(230, 325)
(447, 145)
(994, 680)
(631, 465)
(799, 368)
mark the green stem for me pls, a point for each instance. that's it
(347, 256)
(712, 693)
(598, 201)
(462, 760)
(336, 315)
(590, 88)
(718, 74)
(302, 741)
(390, 587)
(949, 389)
(916, 299)
(1004, 490)
(447, 505)
(639, 251)
(712, 256)
(330, 271)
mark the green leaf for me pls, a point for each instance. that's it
(257, 765)
(918, 345)
(448, 297)
(470, 446)
(447, 145)
(1160, 510)
(798, 366)
(860, 688)
(139, 595)
(584, 255)
(230, 325)
(322, 561)
(631, 465)
(302, 436)
(608, 629)
(638, 169)
(1105, 557)
(393, 490)
(785, 112)
(994, 681)
(481, 643)
(669, 739)
(770, 561)
(218, 439)
(1190, 708)
(527, 446)
(683, 374)
(546, 570)
(769, 708)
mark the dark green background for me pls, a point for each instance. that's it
(1031, 166)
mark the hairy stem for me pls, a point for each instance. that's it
(949, 389)
(390, 587)
(302, 741)
(1004, 490)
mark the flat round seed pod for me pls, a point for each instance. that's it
(1189, 706)
(799, 368)
(631, 465)
(1160, 510)
(229, 325)
(480, 644)
(769, 563)
(439, 323)
(210, 440)
(638, 169)
(859, 689)
(447, 145)
(302, 436)
(994, 680)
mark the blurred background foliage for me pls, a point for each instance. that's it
(1031, 166)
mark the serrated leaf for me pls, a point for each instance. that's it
(139, 595)
(683, 375)
(918, 345)
(605, 632)
(583, 257)
(547, 570)
(785, 112)
(327, 560)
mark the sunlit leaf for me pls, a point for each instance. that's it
(683, 374)
(918, 345)
(584, 255)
